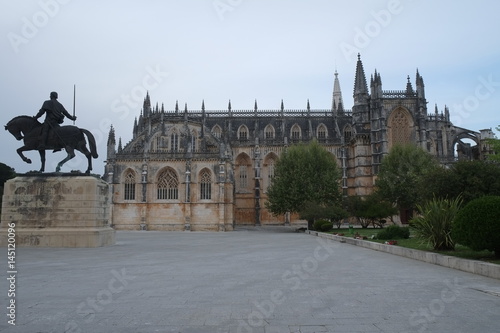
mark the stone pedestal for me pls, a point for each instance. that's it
(57, 210)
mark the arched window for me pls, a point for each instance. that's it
(270, 172)
(205, 185)
(347, 134)
(400, 124)
(269, 132)
(295, 132)
(168, 185)
(174, 141)
(194, 139)
(129, 186)
(321, 132)
(243, 169)
(243, 133)
(216, 131)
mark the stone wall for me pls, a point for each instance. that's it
(55, 210)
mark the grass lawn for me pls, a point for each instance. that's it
(414, 243)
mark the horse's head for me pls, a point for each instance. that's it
(20, 125)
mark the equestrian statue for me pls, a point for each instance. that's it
(50, 135)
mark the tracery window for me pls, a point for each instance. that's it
(321, 132)
(269, 132)
(194, 136)
(270, 172)
(129, 186)
(347, 134)
(174, 142)
(168, 185)
(205, 185)
(243, 133)
(400, 127)
(216, 131)
(295, 132)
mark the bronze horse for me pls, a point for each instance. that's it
(64, 137)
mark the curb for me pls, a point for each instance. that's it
(466, 265)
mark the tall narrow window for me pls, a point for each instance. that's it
(168, 185)
(295, 132)
(129, 186)
(216, 131)
(347, 134)
(270, 173)
(269, 132)
(243, 133)
(174, 142)
(205, 185)
(243, 176)
(194, 135)
(321, 132)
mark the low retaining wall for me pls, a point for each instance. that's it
(466, 265)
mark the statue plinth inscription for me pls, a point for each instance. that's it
(54, 210)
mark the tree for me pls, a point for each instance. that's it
(313, 211)
(467, 179)
(371, 209)
(304, 173)
(400, 174)
(477, 225)
(495, 146)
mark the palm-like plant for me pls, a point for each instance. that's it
(434, 222)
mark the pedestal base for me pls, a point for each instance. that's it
(48, 210)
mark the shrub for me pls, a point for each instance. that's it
(317, 224)
(394, 232)
(477, 225)
(434, 223)
(327, 226)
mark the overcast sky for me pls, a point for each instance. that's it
(238, 50)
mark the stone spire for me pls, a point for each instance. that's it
(360, 93)
(420, 85)
(147, 105)
(409, 87)
(337, 94)
(111, 143)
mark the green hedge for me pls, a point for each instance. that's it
(477, 225)
(394, 232)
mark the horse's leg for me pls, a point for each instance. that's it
(42, 159)
(83, 149)
(20, 152)
(71, 154)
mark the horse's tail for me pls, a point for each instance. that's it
(90, 138)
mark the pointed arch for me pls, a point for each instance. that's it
(129, 181)
(400, 127)
(167, 184)
(347, 133)
(217, 131)
(268, 169)
(205, 182)
(269, 132)
(243, 169)
(295, 132)
(243, 132)
(159, 143)
(194, 139)
(322, 132)
(174, 140)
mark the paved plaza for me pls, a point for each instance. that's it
(252, 280)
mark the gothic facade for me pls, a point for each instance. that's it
(210, 170)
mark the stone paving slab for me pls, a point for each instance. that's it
(253, 280)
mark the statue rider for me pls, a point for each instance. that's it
(54, 115)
